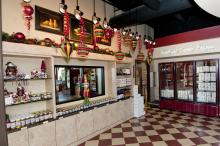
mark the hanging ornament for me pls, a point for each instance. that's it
(108, 33)
(119, 55)
(83, 50)
(66, 24)
(28, 11)
(133, 44)
(140, 56)
(99, 32)
(67, 48)
(150, 50)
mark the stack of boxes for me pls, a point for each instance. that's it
(138, 103)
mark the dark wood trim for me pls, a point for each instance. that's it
(3, 133)
(190, 36)
(148, 83)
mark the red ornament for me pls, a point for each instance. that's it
(19, 36)
(150, 50)
(43, 67)
(108, 33)
(66, 24)
(28, 11)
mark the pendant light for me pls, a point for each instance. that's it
(136, 34)
(78, 14)
(115, 29)
(95, 19)
(62, 6)
(105, 22)
(27, 1)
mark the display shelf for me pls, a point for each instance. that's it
(28, 102)
(30, 126)
(15, 80)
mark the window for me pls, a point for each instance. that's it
(75, 82)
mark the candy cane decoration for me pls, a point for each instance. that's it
(119, 40)
(66, 23)
(140, 43)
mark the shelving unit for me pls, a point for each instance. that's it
(123, 80)
(167, 80)
(19, 111)
(195, 86)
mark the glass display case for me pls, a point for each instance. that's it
(184, 81)
(166, 80)
(206, 81)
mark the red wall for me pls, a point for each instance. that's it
(195, 35)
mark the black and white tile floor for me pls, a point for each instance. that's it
(162, 128)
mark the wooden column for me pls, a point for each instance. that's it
(3, 132)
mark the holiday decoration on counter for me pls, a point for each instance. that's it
(43, 67)
(140, 56)
(11, 69)
(82, 49)
(119, 55)
(28, 12)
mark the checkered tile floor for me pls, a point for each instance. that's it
(162, 128)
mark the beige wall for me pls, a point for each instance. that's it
(197, 50)
(13, 20)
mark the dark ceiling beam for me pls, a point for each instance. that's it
(142, 14)
(153, 4)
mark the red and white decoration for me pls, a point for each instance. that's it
(119, 55)
(28, 12)
(66, 24)
(150, 50)
(83, 50)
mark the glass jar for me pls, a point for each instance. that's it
(12, 123)
(18, 123)
(37, 120)
(41, 117)
(23, 122)
(50, 115)
(32, 119)
(28, 120)
(8, 125)
(46, 116)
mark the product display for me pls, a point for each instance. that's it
(81, 107)
(184, 81)
(206, 81)
(167, 80)
(28, 119)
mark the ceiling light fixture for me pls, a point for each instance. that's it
(105, 22)
(78, 14)
(62, 6)
(95, 19)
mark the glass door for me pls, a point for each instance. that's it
(206, 81)
(166, 80)
(184, 81)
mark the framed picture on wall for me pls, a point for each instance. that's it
(48, 21)
(75, 30)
